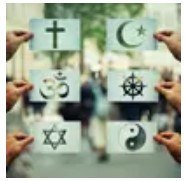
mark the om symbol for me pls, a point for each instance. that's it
(55, 87)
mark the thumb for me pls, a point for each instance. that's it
(163, 38)
(161, 140)
(167, 134)
(25, 142)
(161, 90)
(20, 135)
(25, 88)
(19, 83)
(25, 37)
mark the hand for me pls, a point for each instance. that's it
(16, 143)
(14, 39)
(172, 141)
(172, 40)
(172, 92)
(14, 90)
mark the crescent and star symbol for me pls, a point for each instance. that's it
(121, 37)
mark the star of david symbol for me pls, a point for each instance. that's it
(133, 86)
(54, 131)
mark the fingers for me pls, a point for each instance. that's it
(167, 84)
(163, 35)
(164, 87)
(19, 32)
(25, 142)
(19, 83)
(25, 88)
(20, 135)
(167, 134)
(161, 140)
(22, 86)
(24, 36)
(166, 32)
(162, 90)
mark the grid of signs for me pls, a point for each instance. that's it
(64, 85)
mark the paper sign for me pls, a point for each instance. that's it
(133, 86)
(56, 137)
(131, 137)
(131, 34)
(55, 34)
(55, 85)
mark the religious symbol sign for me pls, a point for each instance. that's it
(132, 85)
(57, 139)
(130, 34)
(55, 85)
(56, 136)
(131, 137)
(55, 30)
(55, 34)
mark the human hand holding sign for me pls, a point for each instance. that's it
(172, 141)
(14, 39)
(172, 92)
(16, 143)
(172, 40)
(14, 90)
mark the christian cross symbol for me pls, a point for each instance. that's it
(55, 30)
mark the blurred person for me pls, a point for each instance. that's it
(16, 143)
(100, 114)
(172, 92)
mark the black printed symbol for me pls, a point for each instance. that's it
(58, 137)
(121, 36)
(132, 137)
(55, 30)
(54, 86)
(133, 86)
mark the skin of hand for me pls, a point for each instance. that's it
(14, 39)
(172, 92)
(172, 141)
(14, 90)
(16, 143)
(172, 40)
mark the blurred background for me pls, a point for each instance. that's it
(94, 110)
